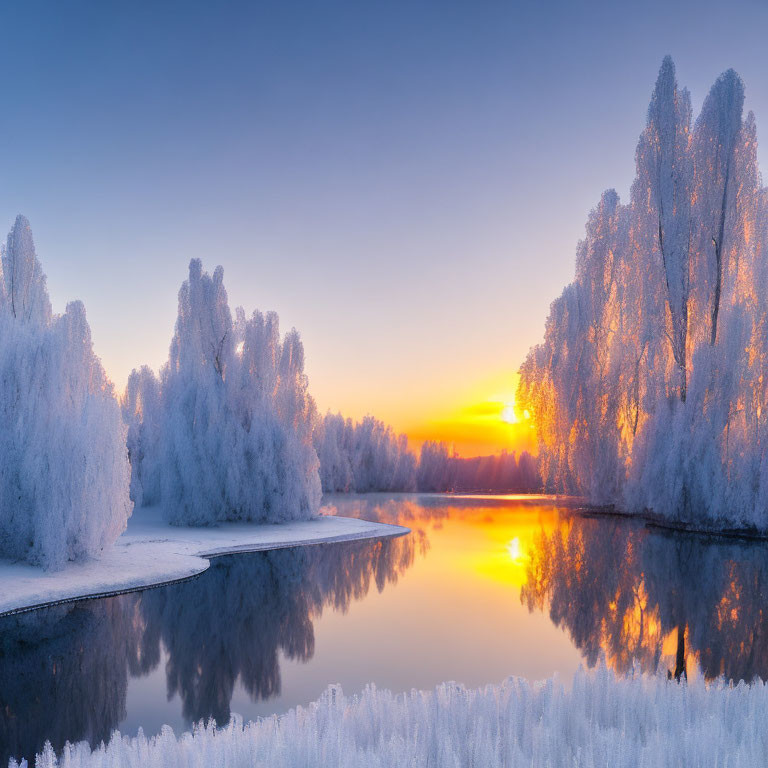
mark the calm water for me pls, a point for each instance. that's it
(481, 589)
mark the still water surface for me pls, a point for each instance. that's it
(483, 588)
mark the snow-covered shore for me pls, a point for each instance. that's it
(151, 552)
(601, 720)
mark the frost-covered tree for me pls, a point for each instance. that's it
(141, 408)
(435, 467)
(441, 470)
(364, 456)
(333, 440)
(716, 138)
(64, 473)
(665, 167)
(649, 389)
(227, 432)
(23, 278)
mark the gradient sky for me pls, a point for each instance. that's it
(403, 181)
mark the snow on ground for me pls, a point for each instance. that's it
(601, 720)
(152, 552)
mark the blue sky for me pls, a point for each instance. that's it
(405, 182)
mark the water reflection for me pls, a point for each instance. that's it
(239, 636)
(415, 511)
(64, 670)
(670, 601)
(59, 676)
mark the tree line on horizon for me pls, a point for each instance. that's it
(366, 456)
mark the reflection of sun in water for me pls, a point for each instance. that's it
(516, 554)
(239, 349)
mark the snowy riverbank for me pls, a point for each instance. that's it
(151, 552)
(600, 720)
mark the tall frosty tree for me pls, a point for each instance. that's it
(716, 140)
(650, 388)
(665, 163)
(64, 472)
(226, 433)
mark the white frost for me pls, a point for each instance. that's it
(601, 720)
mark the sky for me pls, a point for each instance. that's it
(403, 181)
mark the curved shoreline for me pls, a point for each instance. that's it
(650, 520)
(152, 554)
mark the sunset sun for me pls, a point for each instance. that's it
(508, 414)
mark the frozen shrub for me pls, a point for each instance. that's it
(600, 720)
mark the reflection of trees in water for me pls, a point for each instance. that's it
(64, 670)
(235, 620)
(635, 594)
(63, 673)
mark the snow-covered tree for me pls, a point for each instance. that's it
(64, 473)
(649, 389)
(364, 456)
(142, 413)
(443, 470)
(333, 440)
(716, 138)
(435, 467)
(665, 168)
(227, 432)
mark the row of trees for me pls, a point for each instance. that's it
(442, 470)
(365, 456)
(650, 388)
(224, 433)
(227, 431)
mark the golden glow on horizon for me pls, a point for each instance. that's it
(488, 422)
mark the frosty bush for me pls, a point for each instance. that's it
(64, 470)
(650, 389)
(600, 720)
(362, 457)
(226, 433)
